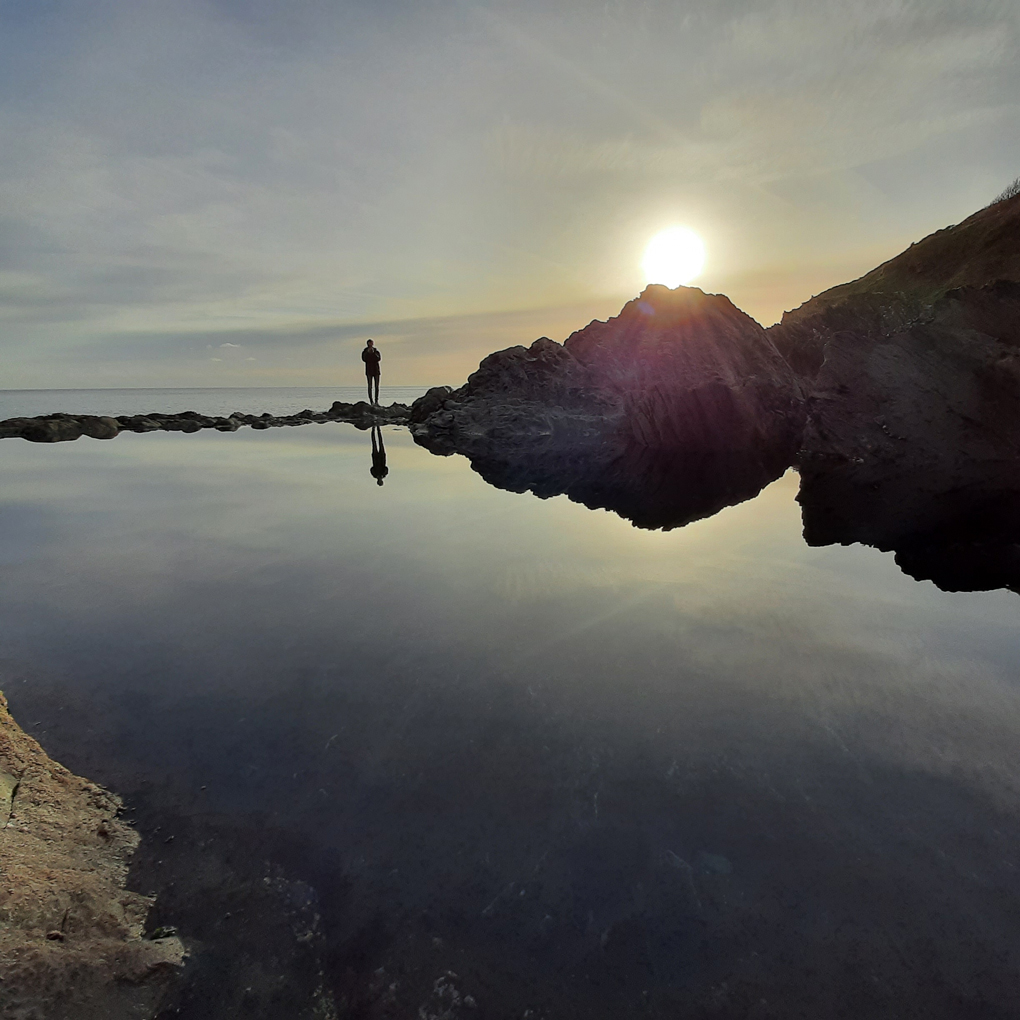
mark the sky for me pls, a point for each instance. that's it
(240, 192)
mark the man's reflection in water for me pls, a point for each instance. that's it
(379, 468)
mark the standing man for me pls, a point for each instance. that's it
(371, 357)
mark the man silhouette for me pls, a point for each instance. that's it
(371, 357)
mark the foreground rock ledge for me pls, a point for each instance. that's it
(70, 932)
(61, 427)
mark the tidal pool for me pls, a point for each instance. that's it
(434, 749)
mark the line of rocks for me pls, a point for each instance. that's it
(58, 428)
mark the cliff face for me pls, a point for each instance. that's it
(676, 370)
(941, 393)
(70, 933)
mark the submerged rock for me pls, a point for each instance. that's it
(70, 932)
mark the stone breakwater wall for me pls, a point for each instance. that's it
(58, 428)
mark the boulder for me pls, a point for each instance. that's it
(51, 430)
(430, 402)
(14, 427)
(101, 427)
(138, 423)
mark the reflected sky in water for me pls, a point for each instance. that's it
(594, 770)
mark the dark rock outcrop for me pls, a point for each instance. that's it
(912, 441)
(676, 370)
(56, 428)
(936, 398)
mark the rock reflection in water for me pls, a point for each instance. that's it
(961, 535)
(651, 488)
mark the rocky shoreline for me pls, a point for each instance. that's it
(72, 940)
(61, 427)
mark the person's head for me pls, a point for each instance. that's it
(378, 481)
(370, 344)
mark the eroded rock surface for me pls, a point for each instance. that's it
(71, 940)
(676, 370)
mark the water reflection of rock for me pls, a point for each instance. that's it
(651, 488)
(961, 533)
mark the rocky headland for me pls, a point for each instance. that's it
(895, 396)
(71, 933)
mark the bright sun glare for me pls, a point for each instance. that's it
(673, 257)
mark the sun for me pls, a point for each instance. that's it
(674, 256)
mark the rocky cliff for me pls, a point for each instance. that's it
(897, 395)
(71, 941)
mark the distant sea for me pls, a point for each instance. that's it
(250, 400)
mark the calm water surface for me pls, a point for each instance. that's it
(589, 770)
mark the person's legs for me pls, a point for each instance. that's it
(375, 379)
(368, 379)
